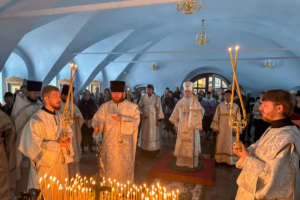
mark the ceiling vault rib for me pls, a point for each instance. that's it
(86, 8)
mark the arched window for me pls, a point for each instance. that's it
(13, 84)
(209, 82)
(95, 84)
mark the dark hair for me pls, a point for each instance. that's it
(227, 91)
(47, 89)
(150, 86)
(280, 97)
(8, 94)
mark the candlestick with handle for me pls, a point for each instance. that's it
(235, 123)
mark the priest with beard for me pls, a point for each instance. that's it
(270, 167)
(118, 121)
(41, 141)
(187, 118)
(152, 114)
(76, 130)
(25, 106)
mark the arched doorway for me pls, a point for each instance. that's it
(209, 82)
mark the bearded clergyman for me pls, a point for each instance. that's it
(187, 117)
(118, 121)
(270, 167)
(25, 106)
(152, 114)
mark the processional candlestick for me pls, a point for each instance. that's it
(68, 114)
(233, 122)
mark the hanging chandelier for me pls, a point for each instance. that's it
(201, 38)
(269, 64)
(188, 6)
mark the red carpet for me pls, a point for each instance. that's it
(162, 170)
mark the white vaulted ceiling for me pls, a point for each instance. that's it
(40, 46)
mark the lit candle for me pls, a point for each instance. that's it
(60, 192)
(71, 193)
(48, 187)
(82, 194)
(45, 185)
(112, 193)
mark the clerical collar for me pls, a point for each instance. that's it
(281, 123)
(48, 111)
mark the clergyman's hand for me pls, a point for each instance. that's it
(157, 123)
(243, 154)
(65, 140)
(96, 131)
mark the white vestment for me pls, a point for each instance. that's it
(76, 138)
(187, 117)
(149, 137)
(271, 171)
(119, 139)
(22, 111)
(40, 143)
(225, 139)
(6, 164)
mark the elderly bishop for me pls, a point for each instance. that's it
(187, 117)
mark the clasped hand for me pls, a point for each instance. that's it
(242, 154)
(116, 117)
(65, 140)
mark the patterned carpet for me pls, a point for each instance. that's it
(188, 191)
(163, 170)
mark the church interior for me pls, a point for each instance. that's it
(164, 43)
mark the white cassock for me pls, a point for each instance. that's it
(22, 111)
(40, 143)
(7, 162)
(225, 139)
(76, 139)
(187, 117)
(271, 171)
(119, 139)
(149, 137)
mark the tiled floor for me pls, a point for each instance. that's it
(224, 186)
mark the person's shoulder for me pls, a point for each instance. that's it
(105, 104)
(21, 98)
(286, 135)
(128, 103)
(39, 116)
(222, 103)
(4, 116)
(289, 132)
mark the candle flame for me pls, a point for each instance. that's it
(237, 47)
